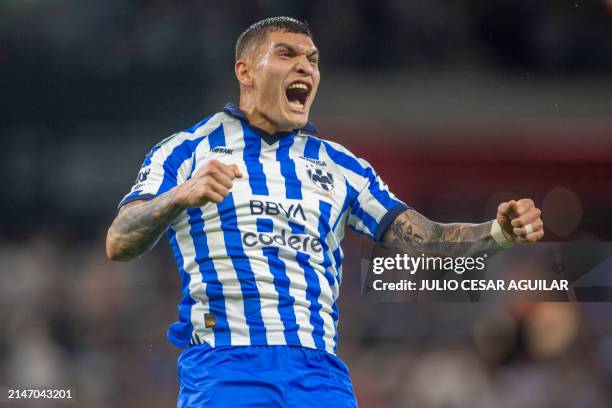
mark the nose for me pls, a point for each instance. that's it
(303, 65)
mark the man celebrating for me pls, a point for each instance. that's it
(255, 208)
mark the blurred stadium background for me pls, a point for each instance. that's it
(458, 104)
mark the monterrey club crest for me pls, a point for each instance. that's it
(321, 178)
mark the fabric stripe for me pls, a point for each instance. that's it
(313, 290)
(324, 230)
(246, 277)
(349, 197)
(198, 125)
(172, 163)
(264, 225)
(311, 150)
(353, 164)
(214, 290)
(179, 332)
(252, 150)
(367, 221)
(161, 167)
(216, 138)
(285, 300)
(293, 185)
(227, 276)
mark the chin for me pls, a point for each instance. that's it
(297, 121)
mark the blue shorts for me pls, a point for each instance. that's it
(262, 376)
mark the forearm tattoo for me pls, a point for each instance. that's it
(416, 232)
(138, 228)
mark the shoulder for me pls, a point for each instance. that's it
(181, 144)
(190, 137)
(208, 124)
(342, 156)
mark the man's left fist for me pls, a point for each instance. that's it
(520, 220)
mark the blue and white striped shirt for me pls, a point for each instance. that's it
(264, 266)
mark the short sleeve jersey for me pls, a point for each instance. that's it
(264, 266)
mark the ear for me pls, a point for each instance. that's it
(243, 72)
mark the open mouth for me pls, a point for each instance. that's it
(297, 94)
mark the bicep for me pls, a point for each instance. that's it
(130, 204)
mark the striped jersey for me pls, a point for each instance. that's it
(264, 266)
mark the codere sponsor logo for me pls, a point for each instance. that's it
(298, 242)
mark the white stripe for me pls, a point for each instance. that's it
(197, 288)
(155, 177)
(232, 293)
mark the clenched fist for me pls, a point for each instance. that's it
(520, 220)
(212, 182)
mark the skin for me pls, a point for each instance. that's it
(416, 232)
(264, 72)
(264, 75)
(140, 224)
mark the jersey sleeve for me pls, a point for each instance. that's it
(160, 170)
(371, 206)
(374, 207)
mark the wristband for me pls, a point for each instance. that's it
(498, 235)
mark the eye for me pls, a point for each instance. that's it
(314, 60)
(282, 52)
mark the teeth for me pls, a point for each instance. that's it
(298, 85)
(297, 103)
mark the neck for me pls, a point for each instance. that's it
(256, 117)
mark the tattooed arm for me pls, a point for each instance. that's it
(140, 224)
(413, 230)
(421, 234)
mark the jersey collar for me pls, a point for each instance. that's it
(237, 113)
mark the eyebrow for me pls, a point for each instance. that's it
(294, 50)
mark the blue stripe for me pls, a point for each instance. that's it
(214, 289)
(197, 125)
(324, 229)
(252, 149)
(338, 263)
(293, 186)
(285, 300)
(179, 333)
(216, 138)
(264, 225)
(174, 160)
(351, 196)
(387, 220)
(148, 157)
(357, 211)
(352, 164)
(335, 319)
(240, 262)
(296, 228)
(311, 150)
(132, 197)
(313, 290)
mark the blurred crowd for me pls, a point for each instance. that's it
(131, 54)
(72, 319)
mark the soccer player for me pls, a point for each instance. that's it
(255, 206)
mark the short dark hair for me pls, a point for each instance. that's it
(258, 31)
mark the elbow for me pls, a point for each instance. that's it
(114, 249)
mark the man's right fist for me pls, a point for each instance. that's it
(212, 182)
